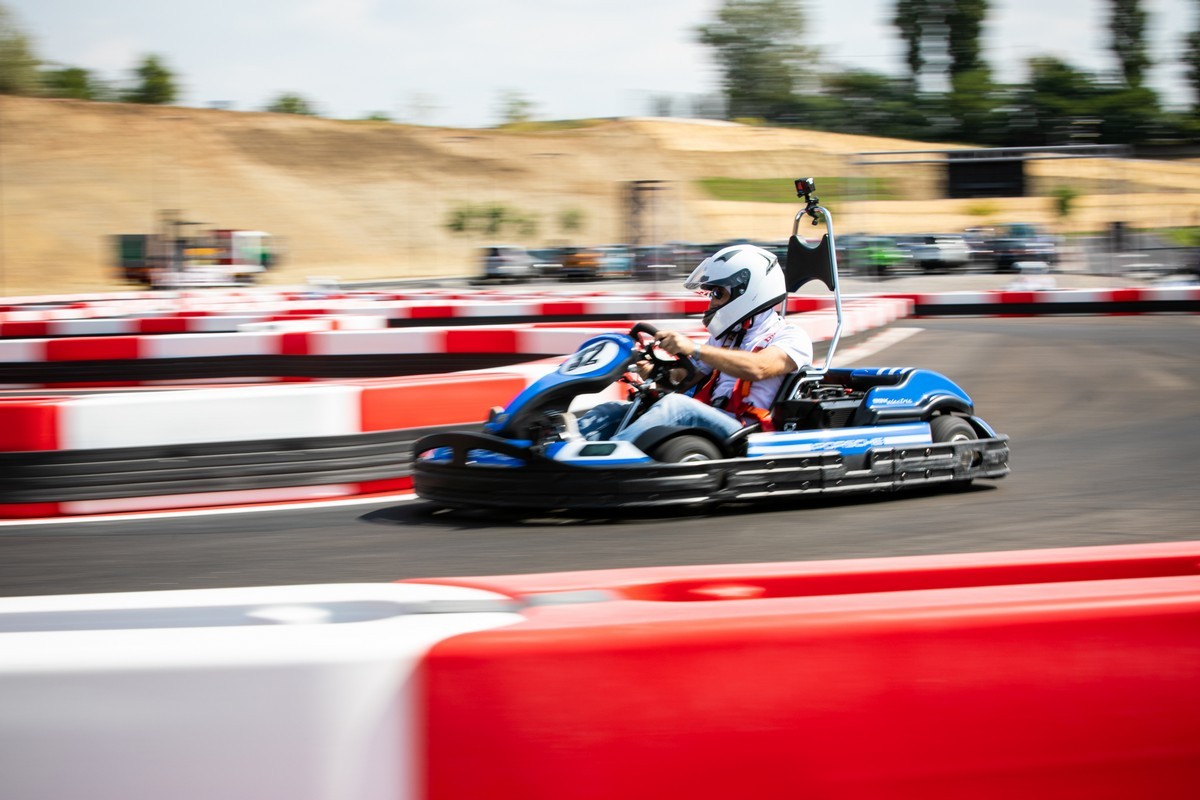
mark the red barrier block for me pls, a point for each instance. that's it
(93, 348)
(491, 340)
(176, 324)
(1044, 674)
(432, 312)
(447, 400)
(1024, 298)
(29, 329)
(29, 423)
(294, 344)
(802, 304)
(29, 510)
(564, 308)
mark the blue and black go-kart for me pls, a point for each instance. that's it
(836, 430)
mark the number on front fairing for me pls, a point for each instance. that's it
(591, 358)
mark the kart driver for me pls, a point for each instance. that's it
(739, 369)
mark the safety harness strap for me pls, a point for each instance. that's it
(738, 404)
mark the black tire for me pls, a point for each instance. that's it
(948, 428)
(686, 448)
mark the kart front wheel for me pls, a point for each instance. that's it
(686, 448)
(948, 428)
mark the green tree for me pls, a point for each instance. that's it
(973, 103)
(759, 54)
(515, 107)
(75, 83)
(947, 32)
(291, 103)
(1064, 201)
(910, 18)
(490, 221)
(1191, 61)
(964, 27)
(18, 64)
(869, 103)
(153, 83)
(1128, 28)
(570, 220)
(1056, 99)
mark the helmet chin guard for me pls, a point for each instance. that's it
(750, 274)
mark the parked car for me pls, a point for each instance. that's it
(937, 252)
(506, 263)
(581, 264)
(872, 256)
(657, 261)
(1020, 242)
(616, 261)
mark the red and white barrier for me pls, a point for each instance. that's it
(156, 314)
(280, 411)
(304, 410)
(244, 413)
(1098, 301)
(529, 338)
(533, 339)
(107, 320)
(1032, 674)
(298, 692)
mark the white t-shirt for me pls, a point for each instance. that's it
(768, 329)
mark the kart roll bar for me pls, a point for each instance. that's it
(807, 262)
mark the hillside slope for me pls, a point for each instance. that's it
(359, 199)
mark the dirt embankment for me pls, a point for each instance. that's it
(360, 200)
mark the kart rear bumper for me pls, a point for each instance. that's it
(541, 483)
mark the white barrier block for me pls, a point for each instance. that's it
(298, 692)
(94, 327)
(391, 340)
(22, 350)
(188, 345)
(496, 308)
(219, 323)
(209, 415)
(553, 340)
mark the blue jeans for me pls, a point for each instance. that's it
(601, 422)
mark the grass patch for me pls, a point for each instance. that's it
(782, 190)
(544, 126)
(1182, 237)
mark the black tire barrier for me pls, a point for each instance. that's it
(63, 476)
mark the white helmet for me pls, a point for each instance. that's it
(753, 278)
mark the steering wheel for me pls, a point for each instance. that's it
(663, 363)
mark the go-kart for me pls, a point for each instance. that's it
(835, 430)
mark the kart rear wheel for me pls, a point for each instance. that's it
(686, 448)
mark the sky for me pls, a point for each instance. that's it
(451, 62)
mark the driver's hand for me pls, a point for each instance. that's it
(644, 368)
(676, 343)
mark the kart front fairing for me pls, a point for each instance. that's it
(598, 363)
(525, 428)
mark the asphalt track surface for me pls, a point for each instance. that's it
(1102, 413)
